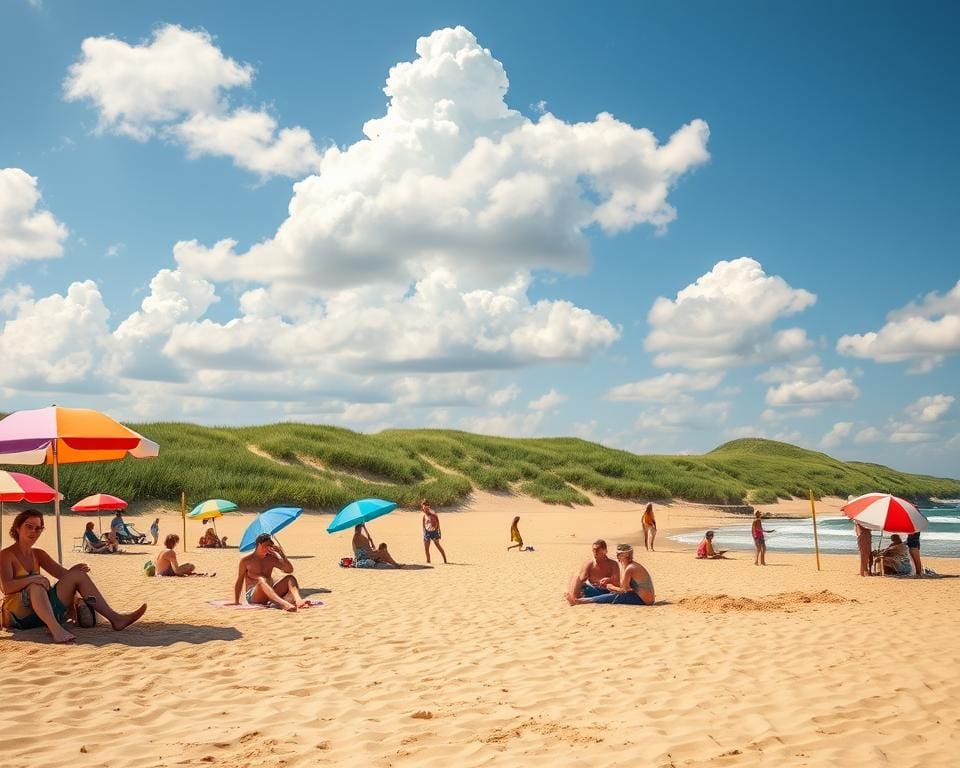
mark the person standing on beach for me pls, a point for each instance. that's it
(598, 569)
(515, 536)
(864, 545)
(255, 576)
(155, 530)
(431, 530)
(635, 585)
(649, 526)
(758, 531)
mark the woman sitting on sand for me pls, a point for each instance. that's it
(166, 562)
(92, 543)
(705, 550)
(30, 600)
(366, 554)
(636, 589)
(210, 540)
(895, 559)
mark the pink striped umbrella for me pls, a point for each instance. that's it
(16, 486)
(97, 503)
(883, 512)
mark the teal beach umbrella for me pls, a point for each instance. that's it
(360, 511)
(269, 521)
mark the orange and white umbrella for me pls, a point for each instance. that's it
(58, 435)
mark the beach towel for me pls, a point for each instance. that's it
(255, 606)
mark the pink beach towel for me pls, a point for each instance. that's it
(254, 606)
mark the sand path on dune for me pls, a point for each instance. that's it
(481, 662)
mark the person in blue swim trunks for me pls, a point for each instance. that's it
(255, 577)
(635, 586)
(431, 530)
(589, 581)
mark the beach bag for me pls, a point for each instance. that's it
(149, 569)
(346, 562)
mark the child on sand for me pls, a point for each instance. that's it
(155, 530)
(705, 550)
(166, 562)
(515, 536)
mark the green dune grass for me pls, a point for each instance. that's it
(323, 467)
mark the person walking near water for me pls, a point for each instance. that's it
(649, 526)
(431, 530)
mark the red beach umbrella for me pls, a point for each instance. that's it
(97, 503)
(883, 512)
(16, 486)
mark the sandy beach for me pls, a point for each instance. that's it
(481, 662)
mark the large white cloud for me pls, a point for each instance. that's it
(807, 383)
(923, 333)
(681, 417)
(725, 319)
(838, 433)
(176, 86)
(452, 177)
(925, 420)
(25, 232)
(56, 343)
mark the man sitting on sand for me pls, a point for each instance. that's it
(635, 586)
(366, 554)
(895, 559)
(588, 583)
(705, 550)
(255, 577)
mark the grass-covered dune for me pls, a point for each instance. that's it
(322, 467)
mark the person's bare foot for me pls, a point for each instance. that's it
(303, 603)
(63, 637)
(568, 596)
(124, 620)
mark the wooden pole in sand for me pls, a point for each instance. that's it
(183, 516)
(816, 543)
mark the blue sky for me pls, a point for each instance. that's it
(680, 223)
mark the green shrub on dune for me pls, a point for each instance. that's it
(323, 467)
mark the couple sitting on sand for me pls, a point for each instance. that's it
(601, 580)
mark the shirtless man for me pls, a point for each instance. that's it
(254, 577)
(635, 586)
(588, 583)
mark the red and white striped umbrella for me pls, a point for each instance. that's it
(883, 512)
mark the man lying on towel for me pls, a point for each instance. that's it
(254, 577)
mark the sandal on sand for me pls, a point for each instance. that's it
(86, 615)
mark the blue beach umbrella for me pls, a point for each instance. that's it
(361, 511)
(269, 521)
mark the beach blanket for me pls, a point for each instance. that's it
(255, 606)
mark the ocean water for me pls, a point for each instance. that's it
(941, 539)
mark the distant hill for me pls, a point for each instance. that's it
(322, 467)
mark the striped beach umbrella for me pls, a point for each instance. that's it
(883, 512)
(16, 486)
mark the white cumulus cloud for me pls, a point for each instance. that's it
(923, 333)
(680, 417)
(807, 383)
(725, 319)
(176, 86)
(837, 434)
(26, 232)
(547, 401)
(667, 388)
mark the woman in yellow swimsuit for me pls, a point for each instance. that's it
(30, 600)
(515, 536)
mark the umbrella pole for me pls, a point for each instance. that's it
(56, 501)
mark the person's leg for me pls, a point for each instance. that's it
(756, 557)
(576, 584)
(186, 569)
(917, 565)
(426, 548)
(645, 529)
(289, 587)
(264, 593)
(653, 537)
(442, 553)
(763, 553)
(40, 604)
(75, 581)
